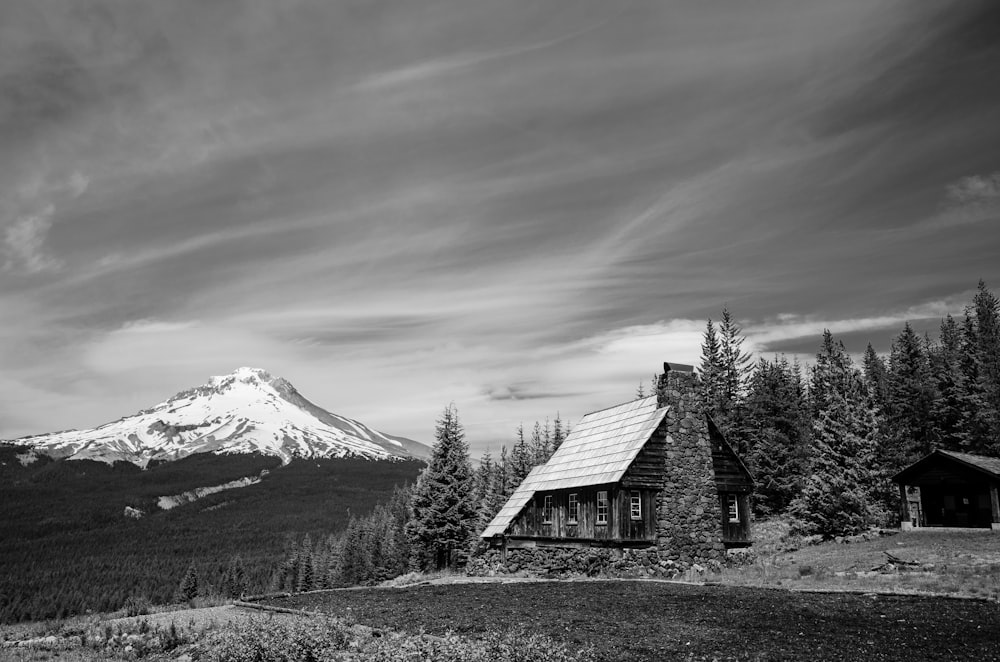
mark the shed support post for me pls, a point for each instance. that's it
(995, 507)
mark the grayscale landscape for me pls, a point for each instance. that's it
(388, 330)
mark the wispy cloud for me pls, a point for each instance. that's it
(519, 207)
(24, 243)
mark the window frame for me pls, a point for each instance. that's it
(602, 507)
(635, 505)
(573, 509)
(733, 508)
(547, 509)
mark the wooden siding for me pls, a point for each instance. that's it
(730, 473)
(735, 534)
(647, 469)
(619, 528)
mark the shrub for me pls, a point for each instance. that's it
(517, 645)
(137, 605)
(323, 640)
(298, 640)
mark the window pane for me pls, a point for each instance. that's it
(602, 507)
(574, 508)
(734, 507)
(635, 506)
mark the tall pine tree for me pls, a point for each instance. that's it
(443, 513)
(910, 429)
(776, 427)
(842, 484)
(981, 368)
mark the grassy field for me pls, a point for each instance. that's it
(647, 621)
(953, 562)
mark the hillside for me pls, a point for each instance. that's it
(67, 547)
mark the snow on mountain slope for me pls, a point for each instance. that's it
(247, 411)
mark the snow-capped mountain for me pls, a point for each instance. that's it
(247, 411)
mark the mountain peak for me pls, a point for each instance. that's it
(245, 374)
(246, 411)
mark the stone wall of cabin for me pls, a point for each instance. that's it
(689, 516)
(595, 562)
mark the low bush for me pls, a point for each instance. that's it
(516, 645)
(326, 640)
(298, 640)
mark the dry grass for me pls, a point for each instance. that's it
(962, 563)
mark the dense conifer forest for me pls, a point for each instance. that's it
(67, 547)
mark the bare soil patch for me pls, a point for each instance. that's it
(639, 621)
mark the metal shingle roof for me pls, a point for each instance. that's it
(598, 451)
(988, 464)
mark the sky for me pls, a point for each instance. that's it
(520, 208)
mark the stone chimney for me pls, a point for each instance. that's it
(689, 525)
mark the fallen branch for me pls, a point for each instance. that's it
(898, 561)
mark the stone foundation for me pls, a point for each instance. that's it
(594, 562)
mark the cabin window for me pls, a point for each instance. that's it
(635, 505)
(733, 504)
(574, 509)
(602, 507)
(547, 510)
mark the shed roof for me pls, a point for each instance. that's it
(981, 463)
(598, 451)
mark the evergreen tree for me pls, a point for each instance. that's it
(736, 363)
(520, 460)
(355, 557)
(558, 434)
(443, 514)
(911, 430)
(945, 361)
(711, 383)
(777, 432)
(640, 393)
(505, 475)
(725, 369)
(234, 581)
(304, 578)
(485, 482)
(539, 449)
(981, 373)
(843, 482)
(876, 378)
(188, 589)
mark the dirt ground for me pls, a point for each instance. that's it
(653, 621)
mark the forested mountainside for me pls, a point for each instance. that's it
(67, 546)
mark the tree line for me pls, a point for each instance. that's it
(430, 525)
(823, 443)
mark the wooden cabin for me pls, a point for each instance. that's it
(654, 472)
(950, 489)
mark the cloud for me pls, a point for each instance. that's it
(975, 188)
(786, 326)
(24, 243)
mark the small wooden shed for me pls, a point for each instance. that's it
(950, 489)
(654, 472)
